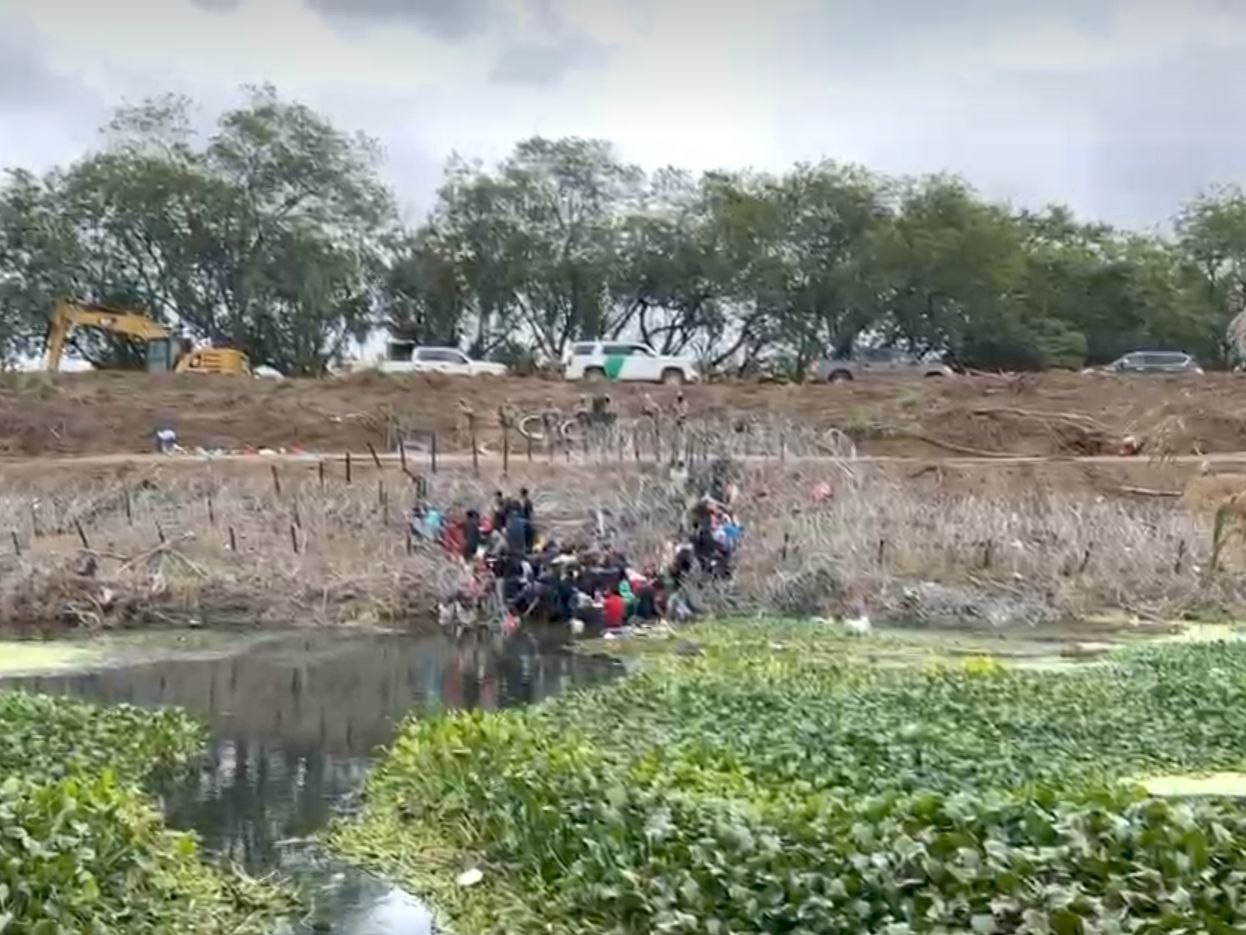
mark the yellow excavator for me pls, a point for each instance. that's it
(165, 353)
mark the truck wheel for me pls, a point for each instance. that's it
(594, 375)
(839, 376)
(673, 377)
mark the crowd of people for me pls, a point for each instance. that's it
(510, 570)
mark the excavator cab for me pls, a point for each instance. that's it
(161, 356)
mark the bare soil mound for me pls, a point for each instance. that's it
(1047, 414)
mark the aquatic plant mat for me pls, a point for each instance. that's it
(83, 850)
(769, 778)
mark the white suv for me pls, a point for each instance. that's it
(404, 357)
(619, 360)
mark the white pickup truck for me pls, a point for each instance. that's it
(403, 357)
(619, 360)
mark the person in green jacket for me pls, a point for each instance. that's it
(625, 592)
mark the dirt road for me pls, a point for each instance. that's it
(493, 461)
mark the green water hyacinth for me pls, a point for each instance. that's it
(82, 850)
(779, 783)
(51, 738)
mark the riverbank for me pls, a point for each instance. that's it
(773, 778)
(316, 543)
(85, 850)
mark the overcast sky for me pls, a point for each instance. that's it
(1120, 108)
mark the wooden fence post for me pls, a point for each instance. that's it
(471, 427)
(1086, 560)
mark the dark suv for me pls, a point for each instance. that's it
(1154, 362)
(878, 362)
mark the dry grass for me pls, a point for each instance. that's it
(1033, 554)
(338, 553)
(302, 555)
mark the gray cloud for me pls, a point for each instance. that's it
(1122, 108)
(28, 81)
(546, 63)
(46, 115)
(545, 60)
(446, 19)
(1165, 130)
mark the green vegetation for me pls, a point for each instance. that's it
(778, 782)
(276, 232)
(81, 850)
(17, 656)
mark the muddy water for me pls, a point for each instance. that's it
(295, 723)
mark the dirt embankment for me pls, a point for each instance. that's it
(1049, 414)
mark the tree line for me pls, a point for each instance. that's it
(275, 232)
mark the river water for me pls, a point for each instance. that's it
(296, 720)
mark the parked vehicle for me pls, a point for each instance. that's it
(618, 360)
(403, 357)
(876, 362)
(1157, 362)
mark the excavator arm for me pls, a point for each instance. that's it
(70, 315)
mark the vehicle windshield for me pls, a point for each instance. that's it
(399, 350)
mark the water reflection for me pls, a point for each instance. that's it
(294, 723)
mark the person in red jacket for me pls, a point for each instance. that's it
(613, 607)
